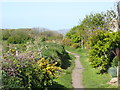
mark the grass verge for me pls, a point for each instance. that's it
(90, 78)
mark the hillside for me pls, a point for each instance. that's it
(63, 31)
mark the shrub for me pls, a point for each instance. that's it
(27, 71)
(102, 45)
(19, 38)
(16, 36)
(56, 52)
(5, 47)
(5, 34)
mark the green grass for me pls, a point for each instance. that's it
(90, 77)
(0, 48)
(65, 78)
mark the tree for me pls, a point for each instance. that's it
(92, 22)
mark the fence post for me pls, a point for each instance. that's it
(40, 51)
(16, 51)
(118, 49)
(118, 9)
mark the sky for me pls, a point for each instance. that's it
(51, 15)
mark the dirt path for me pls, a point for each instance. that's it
(77, 72)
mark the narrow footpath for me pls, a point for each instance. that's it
(77, 72)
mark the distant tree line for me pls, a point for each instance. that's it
(21, 36)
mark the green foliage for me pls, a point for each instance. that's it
(21, 36)
(94, 33)
(5, 34)
(27, 71)
(103, 45)
(76, 45)
(98, 21)
(18, 37)
(115, 62)
(75, 37)
(5, 47)
(65, 77)
(90, 77)
(52, 51)
(57, 53)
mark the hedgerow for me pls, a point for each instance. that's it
(102, 52)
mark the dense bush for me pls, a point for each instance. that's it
(37, 62)
(27, 71)
(95, 21)
(53, 51)
(95, 33)
(5, 47)
(103, 44)
(5, 34)
(18, 38)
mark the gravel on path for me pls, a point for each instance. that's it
(77, 72)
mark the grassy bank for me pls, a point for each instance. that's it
(90, 78)
(64, 80)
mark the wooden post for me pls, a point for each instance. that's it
(118, 8)
(40, 51)
(16, 51)
(118, 73)
(118, 49)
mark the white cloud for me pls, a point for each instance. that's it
(59, 0)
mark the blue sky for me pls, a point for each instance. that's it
(51, 15)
